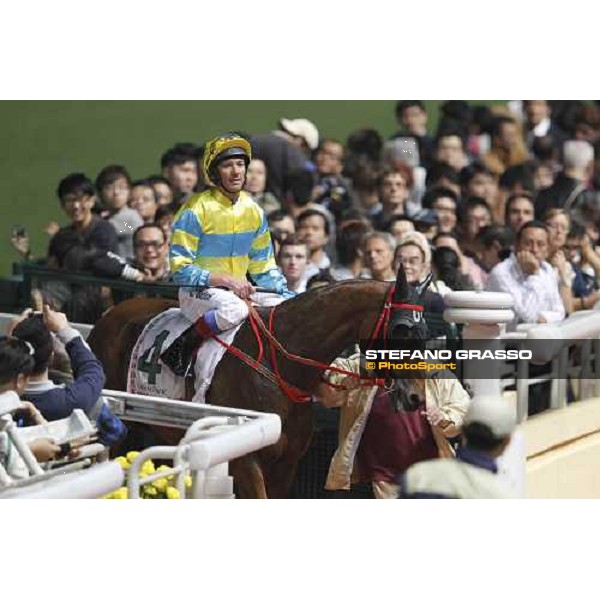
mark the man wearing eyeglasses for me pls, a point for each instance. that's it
(150, 249)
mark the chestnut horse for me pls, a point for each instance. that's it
(318, 324)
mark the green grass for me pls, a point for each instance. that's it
(42, 141)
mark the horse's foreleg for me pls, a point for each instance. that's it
(248, 478)
(293, 444)
(280, 474)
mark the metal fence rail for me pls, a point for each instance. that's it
(214, 436)
(33, 271)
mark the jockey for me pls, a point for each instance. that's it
(219, 236)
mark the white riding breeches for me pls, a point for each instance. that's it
(229, 309)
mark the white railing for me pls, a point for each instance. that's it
(551, 343)
(93, 482)
(215, 436)
(484, 315)
(26, 477)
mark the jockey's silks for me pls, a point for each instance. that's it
(213, 235)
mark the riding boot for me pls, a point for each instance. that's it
(180, 354)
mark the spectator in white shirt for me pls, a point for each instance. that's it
(532, 282)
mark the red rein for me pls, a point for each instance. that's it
(292, 392)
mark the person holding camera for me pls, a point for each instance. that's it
(58, 401)
(16, 366)
(88, 243)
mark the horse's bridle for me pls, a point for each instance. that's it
(383, 321)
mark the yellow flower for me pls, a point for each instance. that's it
(173, 493)
(161, 484)
(188, 481)
(125, 464)
(110, 496)
(150, 491)
(171, 478)
(148, 468)
(131, 456)
(121, 494)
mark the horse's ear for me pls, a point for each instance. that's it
(422, 287)
(401, 290)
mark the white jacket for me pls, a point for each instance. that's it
(452, 478)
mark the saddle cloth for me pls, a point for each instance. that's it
(149, 376)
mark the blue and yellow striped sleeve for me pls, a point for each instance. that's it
(262, 267)
(261, 251)
(187, 233)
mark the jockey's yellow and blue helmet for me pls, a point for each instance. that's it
(224, 146)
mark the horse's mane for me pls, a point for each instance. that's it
(333, 293)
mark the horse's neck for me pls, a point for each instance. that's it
(320, 325)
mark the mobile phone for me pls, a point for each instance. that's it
(65, 449)
(18, 231)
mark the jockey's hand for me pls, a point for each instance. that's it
(53, 320)
(243, 289)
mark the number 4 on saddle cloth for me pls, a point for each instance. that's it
(148, 373)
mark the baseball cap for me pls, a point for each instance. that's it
(495, 413)
(302, 128)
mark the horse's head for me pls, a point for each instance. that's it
(407, 321)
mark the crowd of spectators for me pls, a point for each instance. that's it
(503, 197)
